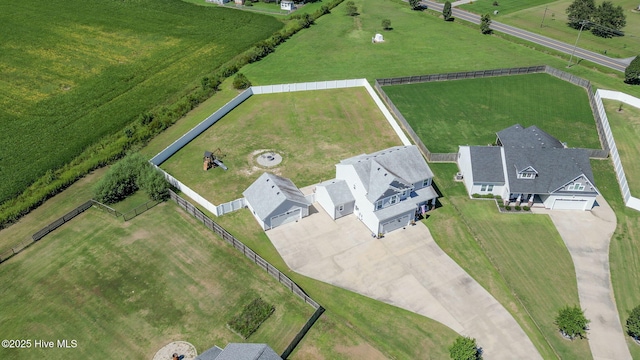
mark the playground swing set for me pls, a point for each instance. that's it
(213, 159)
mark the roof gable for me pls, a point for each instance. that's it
(486, 164)
(338, 191)
(270, 191)
(237, 351)
(531, 137)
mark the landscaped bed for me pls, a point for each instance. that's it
(311, 130)
(470, 112)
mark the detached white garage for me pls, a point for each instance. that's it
(275, 201)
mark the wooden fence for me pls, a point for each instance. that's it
(452, 157)
(250, 254)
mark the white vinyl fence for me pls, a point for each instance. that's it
(629, 200)
(222, 209)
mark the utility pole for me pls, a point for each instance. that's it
(582, 23)
(543, 16)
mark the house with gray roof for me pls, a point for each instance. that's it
(529, 166)
(239, 351)
(386, 190)
(274, 201)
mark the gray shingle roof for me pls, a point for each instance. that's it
(338, 191)
(235, 351)
(486, 164)
(555, 167)
(210, 354)
(531, 137)
(390, 170)
(269, 192)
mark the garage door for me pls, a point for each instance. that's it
(569, 204)
(395, 223)
(287, 217)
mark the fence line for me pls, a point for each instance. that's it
(106, 208)
(139, 210)
(230, 206)
(17, 248)
(250, 254)
(461, 75)
(312, 320)
(630, 201)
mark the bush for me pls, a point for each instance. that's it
(475, 196)
(121, 180)
(517, 208)
(633, 323)
(351, 9)
(526, 208)
(241, 81)
(386, 24)
(571, 322)
(500, 204)
(632, 72)
(153, 183)
(507, 207)
(465, 348)
(495, 3)
(485, 24)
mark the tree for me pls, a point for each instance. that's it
(240, 81)
(580, 10)
(485, 24)
(153, 183)
(611, 20)
(351, 9)
(386, 24)
(121, 179)
(633, 322)
(632, 72)
(465, 348)
(571, 322)
(446, 11)
(415, 4)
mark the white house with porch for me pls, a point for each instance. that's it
(387, 190)
(528, 166)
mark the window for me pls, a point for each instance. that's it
(425, 183)
(379, 205)
(394, 199)
(341, 208)
(576, 187)
(486, 187)
(526, 175)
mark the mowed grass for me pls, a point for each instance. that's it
(519, 258)
(555, 26)
(311, 130)
(127, 289)
(470, 112)
(503, 7)
(624, 249)
(354, 326)
(75, 71)
(625, 126)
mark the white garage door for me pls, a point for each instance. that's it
(287, 217)
(569, 204)
(394, 224)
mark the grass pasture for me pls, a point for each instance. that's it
(510, 254)
(555, 26)
(312, 130)
(625, 126)
(126, 289)
(504, 6)
(470, 112)
(75, 71)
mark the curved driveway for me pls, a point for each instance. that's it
(407, 269)
(586, 234)
(615, 64)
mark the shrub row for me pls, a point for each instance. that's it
(486, 196)
(148, 125)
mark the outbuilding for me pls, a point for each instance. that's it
(335, 197)
(274, 201)
(287, 5)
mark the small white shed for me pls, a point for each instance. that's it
(335, 198)
(378, 38)
(287, 5)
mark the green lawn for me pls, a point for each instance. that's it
(78, 71)
(555, 26)
(519, 258)
(625, 126)
(503, 6)
(312, 130)
(127, 289)
(470, 112)
(624, 250)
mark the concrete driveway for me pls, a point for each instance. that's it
(586, 234)
(407, 269)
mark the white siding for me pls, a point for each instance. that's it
(464, 164)
(323, 198)
(262, 224)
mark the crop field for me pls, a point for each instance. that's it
(126, 289)
(74, 71)
(555, 26)
(520, 259)
(470, 112)
(312, 130)
(625, 126)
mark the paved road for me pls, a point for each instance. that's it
(615, 64)
(586, 235)
(407, 269)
